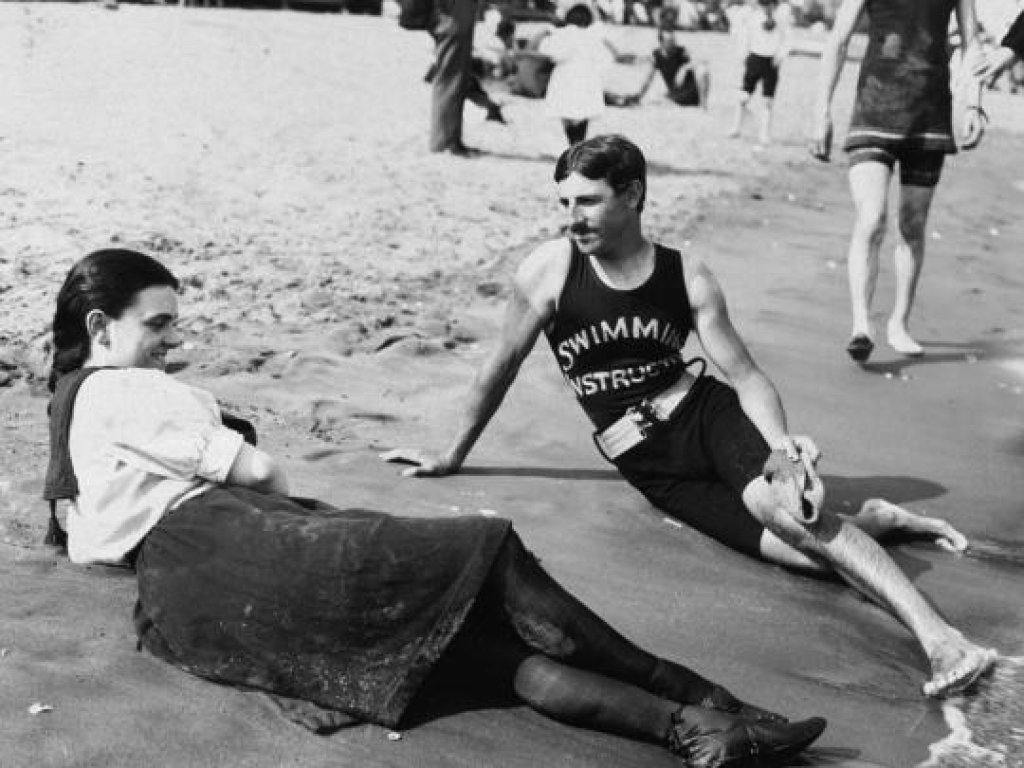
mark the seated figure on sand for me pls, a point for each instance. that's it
(617, 309)
(687, 82)
(344, 612)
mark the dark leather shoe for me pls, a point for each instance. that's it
(722, 701)
(709, 739)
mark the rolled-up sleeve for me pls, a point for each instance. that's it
(221, 451)
(165, 427)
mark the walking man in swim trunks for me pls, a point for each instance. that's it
(617, 309)
(903, 114)
(763, 41)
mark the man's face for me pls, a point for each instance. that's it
(145, 332)
(597, 214)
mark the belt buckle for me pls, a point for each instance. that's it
(644, 415)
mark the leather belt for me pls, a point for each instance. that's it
(642, 419)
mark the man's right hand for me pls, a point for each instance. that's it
(424, 463)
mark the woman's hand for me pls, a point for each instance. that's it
(424, 463)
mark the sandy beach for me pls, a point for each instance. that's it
(341, 284)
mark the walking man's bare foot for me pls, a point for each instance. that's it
(900, 339)
(885, 516)
(956, 665)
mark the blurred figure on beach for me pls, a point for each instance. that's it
(494, 46)
(491, 59)
(688, 82)
(617, 310)
(452, 26)
(343, 615)
(762, 38)
(1004, 58)
(903, 115)
(580, 51)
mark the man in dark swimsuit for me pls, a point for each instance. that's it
(617, 309)
(687, 83)
(902, 116)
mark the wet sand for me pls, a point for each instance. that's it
(341, 285)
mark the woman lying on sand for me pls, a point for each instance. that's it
(347, 608)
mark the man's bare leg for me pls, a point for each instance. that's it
(765, 136)
(915, 203)
(878, 518)
(741, 110)
(835, 544)
(869, 185)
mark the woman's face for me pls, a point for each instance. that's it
(143, 335)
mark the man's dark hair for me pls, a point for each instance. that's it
(611, 158)
(108, 280)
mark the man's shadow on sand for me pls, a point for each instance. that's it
(842, 494)
(966, 352)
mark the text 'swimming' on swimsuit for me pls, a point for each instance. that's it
(616, 348)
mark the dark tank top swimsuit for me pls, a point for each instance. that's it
(903, 97)
(617, 347)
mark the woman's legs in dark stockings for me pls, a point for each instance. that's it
(489, 662)
(588, 675)
(550, 620)
(589, 700)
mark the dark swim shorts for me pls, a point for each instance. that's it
(918, 167)
(696, 466)
(760, 69)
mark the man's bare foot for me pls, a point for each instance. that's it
(899, 339)
(957, 665)
(878, 517)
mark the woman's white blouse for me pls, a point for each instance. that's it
(141, 443)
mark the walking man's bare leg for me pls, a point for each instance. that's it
(869, 185)
(914, 204)
(835, 544)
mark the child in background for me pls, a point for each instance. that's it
(763, 38)
(575, 93)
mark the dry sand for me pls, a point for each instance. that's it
(341, 284)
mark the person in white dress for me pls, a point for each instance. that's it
(575, 94)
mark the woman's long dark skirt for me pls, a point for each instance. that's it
(349, 609)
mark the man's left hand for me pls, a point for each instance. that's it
(974, 127)
(798, 447)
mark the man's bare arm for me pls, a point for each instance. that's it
(528, 311)
(724, 347)
(833, 56)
